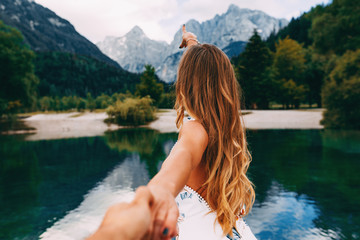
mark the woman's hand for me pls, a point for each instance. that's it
(188, 39)
(165, 214)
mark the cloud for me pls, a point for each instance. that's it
(159, 19)
(96, 19)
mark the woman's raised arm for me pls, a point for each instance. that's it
(188, 38)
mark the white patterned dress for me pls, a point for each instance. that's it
(195, 221)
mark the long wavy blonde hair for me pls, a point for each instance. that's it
(207, 89)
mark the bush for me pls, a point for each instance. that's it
(81, 104)
(342, 101)
(341, 94)
(46, 103)
(132, 111)
(103, 101)
(167, 100)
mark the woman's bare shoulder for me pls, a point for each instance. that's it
(194, 130)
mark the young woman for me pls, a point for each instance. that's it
(206, 169)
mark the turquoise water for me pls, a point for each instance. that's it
(307, 182)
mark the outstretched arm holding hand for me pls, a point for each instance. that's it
(185, 156)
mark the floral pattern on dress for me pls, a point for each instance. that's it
(236, 235)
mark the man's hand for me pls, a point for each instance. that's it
(127, 221)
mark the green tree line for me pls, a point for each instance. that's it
(18, 79)
(314, 60)
(65, 74)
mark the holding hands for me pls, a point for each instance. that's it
(142, 219)
(165, 214)
(127, 221)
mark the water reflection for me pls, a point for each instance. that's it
(148, 150)
(325, 176)
(152, 146)
(41, 181)
(284, 215)
(307, 182)
(118, 186)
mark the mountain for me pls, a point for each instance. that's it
(229, 31)
(43, 30)
(125, 50)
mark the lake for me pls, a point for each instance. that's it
(307, 182)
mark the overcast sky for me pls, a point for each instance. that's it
(160, 19)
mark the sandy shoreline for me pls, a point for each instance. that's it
(71, 125)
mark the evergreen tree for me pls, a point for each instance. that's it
(314, 76)
(149, 86)
(17, 78)
(252, 72)
(297, 29)
(289, 67)
(90, 102)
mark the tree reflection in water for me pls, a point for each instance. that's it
(152, 146)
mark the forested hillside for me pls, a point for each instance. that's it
(43, 55)
(26, 76)
(315, 59)
(17, 78)
(43, 30)
(65, 74)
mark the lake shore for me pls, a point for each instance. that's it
(87, 124)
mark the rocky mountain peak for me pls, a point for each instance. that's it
(233, 9)
(135, 32)
(229, 31)
(134, 50)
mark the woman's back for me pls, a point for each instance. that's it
(196, 219)
(211, 154)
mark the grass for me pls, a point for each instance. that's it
(77, 115)
(99, 110)
(162, 110)
(29, 114)
(246, 113)
(276, 106)
(311, 110)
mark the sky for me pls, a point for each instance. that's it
(159, 19)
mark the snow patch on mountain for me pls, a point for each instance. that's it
(32, 25)
(56, 22)
(15, 17)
